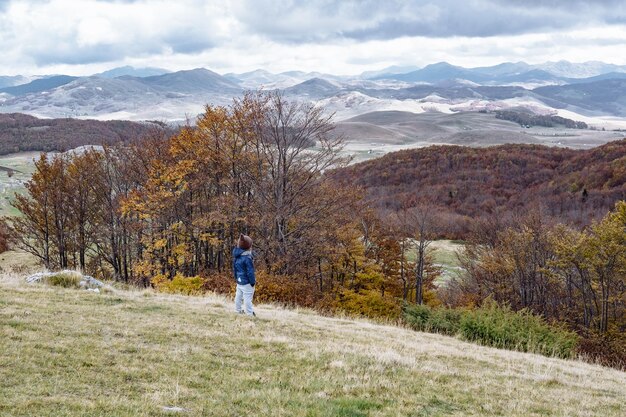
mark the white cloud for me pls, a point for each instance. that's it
(348, 36)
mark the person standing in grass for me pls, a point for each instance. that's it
(243, 269)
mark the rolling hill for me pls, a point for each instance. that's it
(132, 71)
(464, 183)
(39, 85)
(315, 88)
(12, 80)
(375, 133)
(137, 353)
(601, 97)
(192, 81)
(20, 132)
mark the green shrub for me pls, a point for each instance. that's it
(492, 325)
(501, 327)
(368, 303)
(417, 316)
(65, 279)
(446, 320)
(439, 320)
(606, 349)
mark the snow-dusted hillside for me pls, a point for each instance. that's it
(176, 96)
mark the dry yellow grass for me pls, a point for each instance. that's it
(69, 352)
(16, 261)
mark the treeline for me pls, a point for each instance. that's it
(465, 184)
(21, 132)
(71, 213)
(167, 211)
(560, 273)
(530, 119)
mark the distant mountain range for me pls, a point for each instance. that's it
(169, 96)
(509, 73)
(13, 80)
(38, 85)
(133, 72)
(586, 90)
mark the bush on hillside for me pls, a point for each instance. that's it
(5, 236)
(286, 290)
(433, 320)
(65, 279)
(501, 327)
(179, 284)
(367, 303)
(607, 350)
(220, 283)
(493, 325)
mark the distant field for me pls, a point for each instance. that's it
(24, 167)
(445, 255)
(375, 134)
(16, 261)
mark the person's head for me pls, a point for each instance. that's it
(245, 242)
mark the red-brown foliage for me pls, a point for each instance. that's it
(21, 132)
(608, 350)
(5, 236)
(573, 186)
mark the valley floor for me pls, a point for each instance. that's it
(135, 353)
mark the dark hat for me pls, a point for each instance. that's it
(245, 242)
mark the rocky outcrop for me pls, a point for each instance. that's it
(84, 281)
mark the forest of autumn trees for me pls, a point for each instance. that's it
(572, 276)
(166, 211)
(467, 184)
(22, 132)
(71, 214)
(531, 119)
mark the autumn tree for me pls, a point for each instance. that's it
(249, 167)
(80, 180)
(554, 270)
(417, 223)
(36, 231)
(592, 264)
(70, 213)
(292, 144)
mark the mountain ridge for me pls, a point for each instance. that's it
(178, 95)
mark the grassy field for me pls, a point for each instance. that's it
(445, 255)
(17, 261)
(24, 167)
(374, 134)
(136, 353)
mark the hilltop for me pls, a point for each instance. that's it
(21, 132)
(131, 352)
(573, 186)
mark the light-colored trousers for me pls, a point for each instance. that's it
(244, 293)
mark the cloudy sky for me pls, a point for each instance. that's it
(338, 36)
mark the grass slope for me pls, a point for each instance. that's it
(131, 353)
(23, 165)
